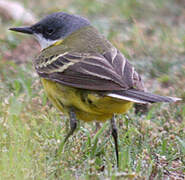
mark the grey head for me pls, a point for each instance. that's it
(54, 27)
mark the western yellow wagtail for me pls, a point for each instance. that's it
(83, 74)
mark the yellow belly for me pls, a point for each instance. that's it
(88, 105)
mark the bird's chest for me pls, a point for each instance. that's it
(64, 97)
(88, 105)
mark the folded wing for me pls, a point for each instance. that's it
(109, 73)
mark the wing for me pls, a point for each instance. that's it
(92, 71)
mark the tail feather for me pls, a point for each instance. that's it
(141, 96)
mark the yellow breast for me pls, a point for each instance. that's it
(88, 105)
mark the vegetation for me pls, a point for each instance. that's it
(151, 145)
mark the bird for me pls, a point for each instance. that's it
(83, 74)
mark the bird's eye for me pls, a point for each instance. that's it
(39, 29)
(50, 31)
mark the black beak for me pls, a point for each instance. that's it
(25, 30)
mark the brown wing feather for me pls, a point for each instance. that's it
(82, 81)
(110, 71)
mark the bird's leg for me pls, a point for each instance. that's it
(114, 132)
(73, 123)
(98, 126)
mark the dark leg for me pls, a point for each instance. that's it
(73, 124)
(97, 127)
(115, 136)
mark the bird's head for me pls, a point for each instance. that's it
(53, 27)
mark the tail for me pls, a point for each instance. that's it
(141, 96)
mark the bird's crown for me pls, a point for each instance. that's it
(54, 27)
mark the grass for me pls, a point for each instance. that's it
(151, 145)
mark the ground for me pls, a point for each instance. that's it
(151, 145)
